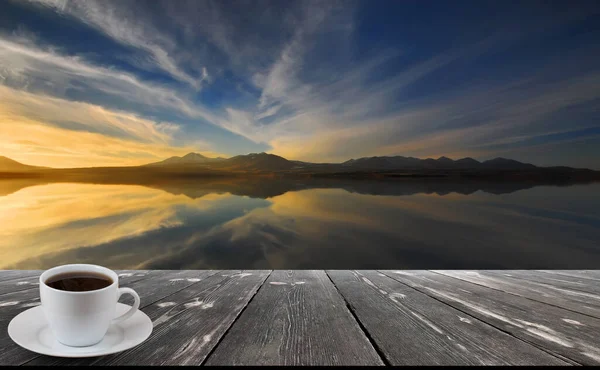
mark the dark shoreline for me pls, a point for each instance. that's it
(268, 184)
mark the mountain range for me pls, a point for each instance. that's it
(272, 162)
(399, 162)
(198, 164)
(190, 158)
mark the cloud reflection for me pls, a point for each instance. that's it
(44, 220)
(138, 227)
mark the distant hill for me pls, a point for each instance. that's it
(190, 158)
(382, 162)
(258, 161)
(264, 164)
(248, 162)
(399, 162)
(508, 164)
(9, 165)
(467, 163)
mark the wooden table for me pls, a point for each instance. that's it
(341, 317)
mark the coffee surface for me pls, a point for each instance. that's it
(79, 281)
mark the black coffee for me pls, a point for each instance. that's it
(79, 281)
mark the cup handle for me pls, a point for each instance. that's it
(132, 310)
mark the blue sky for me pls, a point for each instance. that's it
(87, 83)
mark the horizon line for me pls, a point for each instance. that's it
(291, 160)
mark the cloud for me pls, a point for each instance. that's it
(88, 117)
(352, 113)
(242, 38)
(314, 87)
(46, 131)
(470, 124)
(25, 65)
(128, 25)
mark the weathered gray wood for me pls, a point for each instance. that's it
(161, 285)
(192, 311)
(164, 283)
(582, 274)
(297, 318)
(189, 323)
(14, 302)
(565, 333)
(31, 280)
(17, 284)
(550, 281)
(411, 328)
(17, 274)
(573, 300)
(11, 304)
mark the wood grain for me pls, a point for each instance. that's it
(162, 284)
(297, 318)
(381, 317)
(565, 333)
(582, 274)
(30, 279)
(412, 328)
(17, 284)
(559, 283)
(17, 274)
(11, 304)
(573, 300)
(190, 323)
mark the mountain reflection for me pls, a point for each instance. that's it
(277, 223)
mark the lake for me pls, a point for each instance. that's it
(293, 224)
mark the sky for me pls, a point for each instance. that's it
(106, 83)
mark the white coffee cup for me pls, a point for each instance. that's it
(80, 319)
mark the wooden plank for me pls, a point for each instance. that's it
(585, 303)
(164, 283)
(562, 332)
(411, 328)
(189, 323)
(17, 274)
(297, 318)
(13, 303)
(161, 285)
(582, 274)
(18, 284)
(551, 281)
(31, 280)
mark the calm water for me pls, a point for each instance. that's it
(272, 224)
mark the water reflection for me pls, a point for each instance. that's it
(299, 224)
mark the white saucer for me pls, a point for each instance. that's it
(30, 330)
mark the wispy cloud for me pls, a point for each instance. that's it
(42, 130)
(352, 113)
(312, 80)
(466, 125)
(126, 24)
(27, 66)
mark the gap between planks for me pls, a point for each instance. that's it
(360, 324)
(559, 356)
(145, 305)
(235, 320)
(515, 294)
